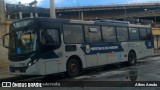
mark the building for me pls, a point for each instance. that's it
(149, 11)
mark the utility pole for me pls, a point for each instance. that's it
(52, 9)
(79, 13)
(3, 51)
(2, 17)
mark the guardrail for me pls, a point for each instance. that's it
(150, 13)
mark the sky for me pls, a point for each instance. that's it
(71, 3)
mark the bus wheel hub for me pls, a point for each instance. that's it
(73, 68)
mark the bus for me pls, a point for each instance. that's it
(45, 46)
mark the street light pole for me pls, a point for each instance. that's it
(2, 17)
(2, 12)
(125, 12)
(79, 13)
(155, 19)
(52, 9)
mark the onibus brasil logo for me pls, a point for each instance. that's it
(13, 84)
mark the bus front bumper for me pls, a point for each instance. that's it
(35, 69)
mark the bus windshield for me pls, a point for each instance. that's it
(22, 42)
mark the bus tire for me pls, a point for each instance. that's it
(73, 67)
(132, 59)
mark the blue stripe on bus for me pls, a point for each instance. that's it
(149, 44)
(49, 55)
(101, 48)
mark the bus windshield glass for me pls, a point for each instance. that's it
(23, 41)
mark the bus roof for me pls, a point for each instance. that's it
(98, 22)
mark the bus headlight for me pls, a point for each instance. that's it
(32, 62)
(29, 64)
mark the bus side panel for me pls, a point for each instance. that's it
(91, 60)
(149, 48)
(113, 57)
(146, 49)
(71, 54)
(102, 58)
(37, 69)
(51, 66)
(136, 46)
(150, 52)
(124, 54)
(84, 65)
(62, 62)
(119, 56)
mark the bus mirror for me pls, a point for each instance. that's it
(5, 39)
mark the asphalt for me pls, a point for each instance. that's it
(146, 69)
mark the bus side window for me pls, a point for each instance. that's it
(133, 33)
(122, 33)
(109, 34)
(49, 37)
(143, 34)
(93, 34)
(73, 34)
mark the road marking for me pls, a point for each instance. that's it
(156, 58)
(101, 74)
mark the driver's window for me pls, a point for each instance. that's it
(26, 38)
(49, 37)
(27, 41)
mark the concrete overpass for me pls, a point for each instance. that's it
(149, 10)
(146, 11)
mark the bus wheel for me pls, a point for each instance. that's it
(132, 58)
(73, 68)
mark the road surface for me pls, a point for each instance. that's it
(145, 70)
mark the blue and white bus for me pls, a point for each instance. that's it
(44, 46)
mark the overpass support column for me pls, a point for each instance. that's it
(20, 15)
(36, 14)
(31, 15)
(15, 16)
(8, 16)
(82, 16)
(52, 9)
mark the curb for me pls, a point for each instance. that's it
(155, 55)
